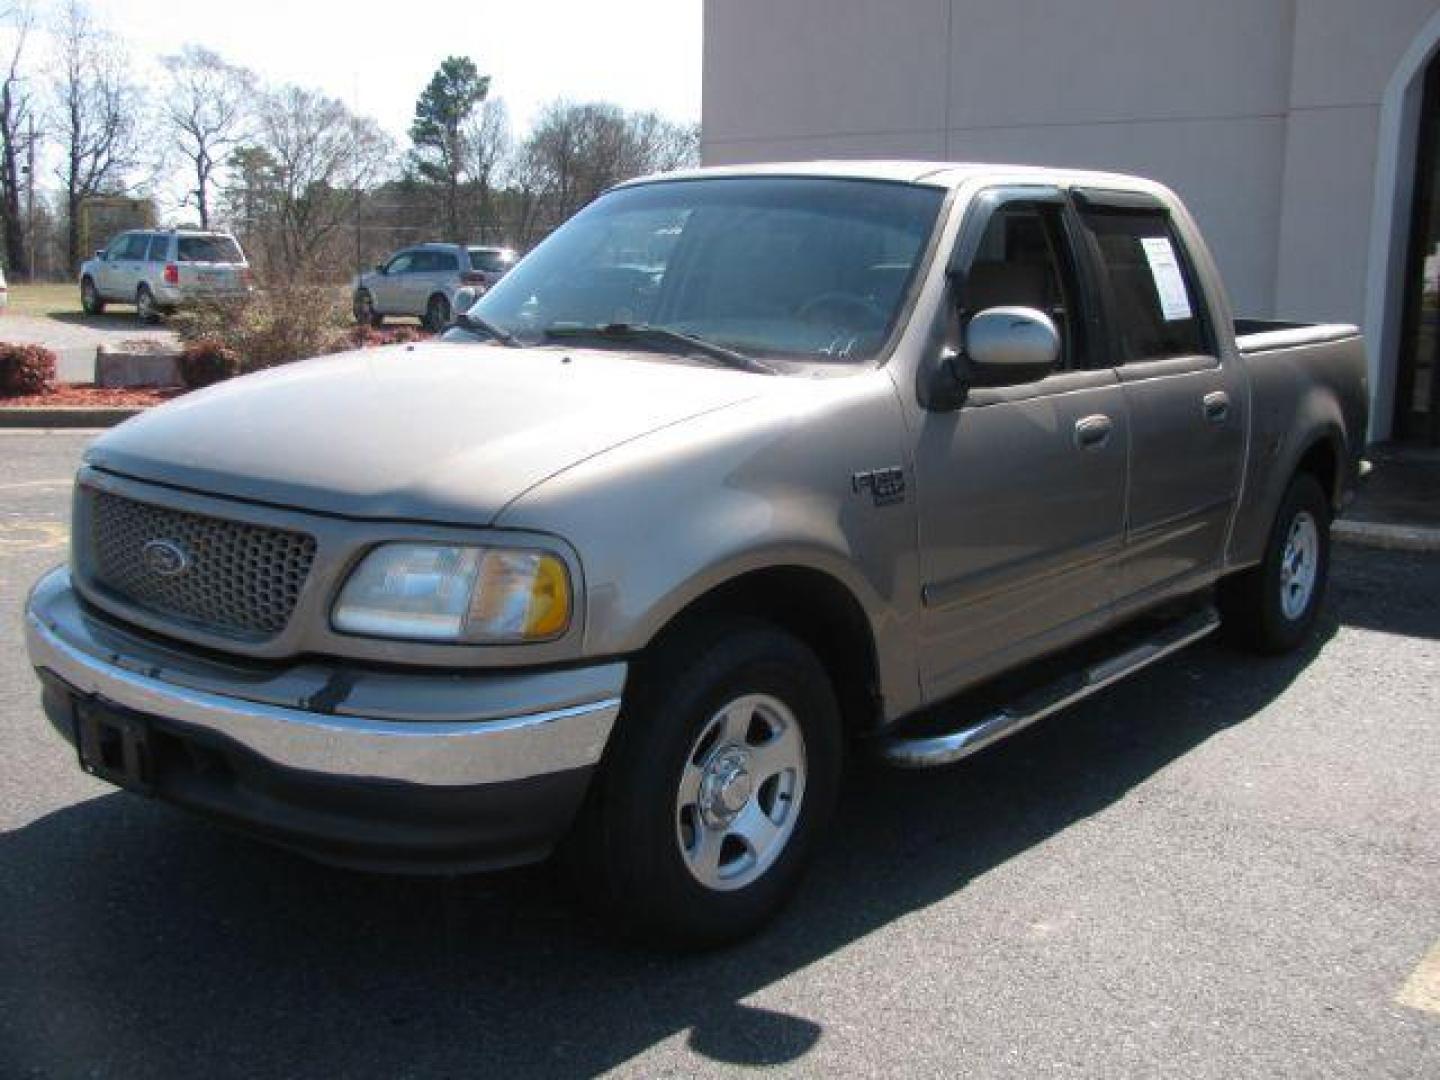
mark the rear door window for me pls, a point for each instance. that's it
(159, 250)
(435, 262)
(1155, 305)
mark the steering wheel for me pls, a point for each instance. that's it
(867, 312)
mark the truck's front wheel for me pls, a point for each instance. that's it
(1272, 607)
(722, 773)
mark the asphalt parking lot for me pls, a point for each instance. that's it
(1223, 867)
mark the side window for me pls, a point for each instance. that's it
(402, 263)
(159, 249)
(132, 246)
(1157, 310)
(1023, 261)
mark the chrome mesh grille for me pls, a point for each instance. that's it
(240, 580)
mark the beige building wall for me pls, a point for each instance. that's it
(1271, 118)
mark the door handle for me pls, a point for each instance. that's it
(1093, 432)
(1216, 406)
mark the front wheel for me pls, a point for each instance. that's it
(363, 308)
(722, 774)
(1272, 607)
(90, 298)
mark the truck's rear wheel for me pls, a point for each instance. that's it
(721, 775)
(1272, 607)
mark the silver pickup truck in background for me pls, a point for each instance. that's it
(740, 470)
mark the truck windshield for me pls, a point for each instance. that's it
(810, 269)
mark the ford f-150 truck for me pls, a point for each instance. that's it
(740, 470)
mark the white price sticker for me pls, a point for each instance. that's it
(1169, 281)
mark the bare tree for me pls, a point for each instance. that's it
(575, 152)
(17, 123)
(324, 160)
(97, 107)
(206, 110)
(488, 145)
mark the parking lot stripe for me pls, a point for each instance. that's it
(1422, 989)
(65, 481)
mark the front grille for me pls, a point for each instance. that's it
(226, 577)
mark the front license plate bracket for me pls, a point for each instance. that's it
(114, 746)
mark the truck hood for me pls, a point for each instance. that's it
(447, 433)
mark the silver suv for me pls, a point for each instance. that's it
(422, 281)
(158, 270)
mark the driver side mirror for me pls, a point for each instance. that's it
(1002, 346)
(1008, 346)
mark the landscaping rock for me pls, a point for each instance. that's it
(142, 365)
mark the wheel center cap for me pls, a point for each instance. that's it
(726, 787)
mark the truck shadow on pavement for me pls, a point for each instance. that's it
(137, 941)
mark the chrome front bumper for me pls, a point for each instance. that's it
(436, 730)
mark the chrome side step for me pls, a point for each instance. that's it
(929, 751)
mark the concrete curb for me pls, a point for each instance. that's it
(78, 416)
(1392, 537)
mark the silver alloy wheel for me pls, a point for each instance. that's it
(740, 792)
(1299, 565)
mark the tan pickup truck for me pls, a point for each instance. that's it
(740, 471)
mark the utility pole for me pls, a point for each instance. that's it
(30, 196)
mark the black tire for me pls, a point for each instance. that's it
(146, 310)
(363, 308)
(437, 314)
(1254, 602)
(90, 298)
(625, 852)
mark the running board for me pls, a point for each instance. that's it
(927, 752)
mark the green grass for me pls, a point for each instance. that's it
(45, 300)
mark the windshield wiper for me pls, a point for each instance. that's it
(663, 336)
(478, 323)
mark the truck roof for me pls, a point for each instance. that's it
(946, 174)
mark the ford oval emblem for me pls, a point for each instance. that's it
(165, 558)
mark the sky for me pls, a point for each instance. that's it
(377, 57)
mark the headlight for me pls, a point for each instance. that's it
(450, 592)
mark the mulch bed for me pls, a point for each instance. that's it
(78, 395)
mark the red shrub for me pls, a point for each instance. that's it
(26, 369)
(205, 362)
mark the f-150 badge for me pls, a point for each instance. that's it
(886, 486)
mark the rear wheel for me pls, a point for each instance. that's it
(720, 778)
(1272, 607)
(437, 314)
(145, 306)
(90, 298)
